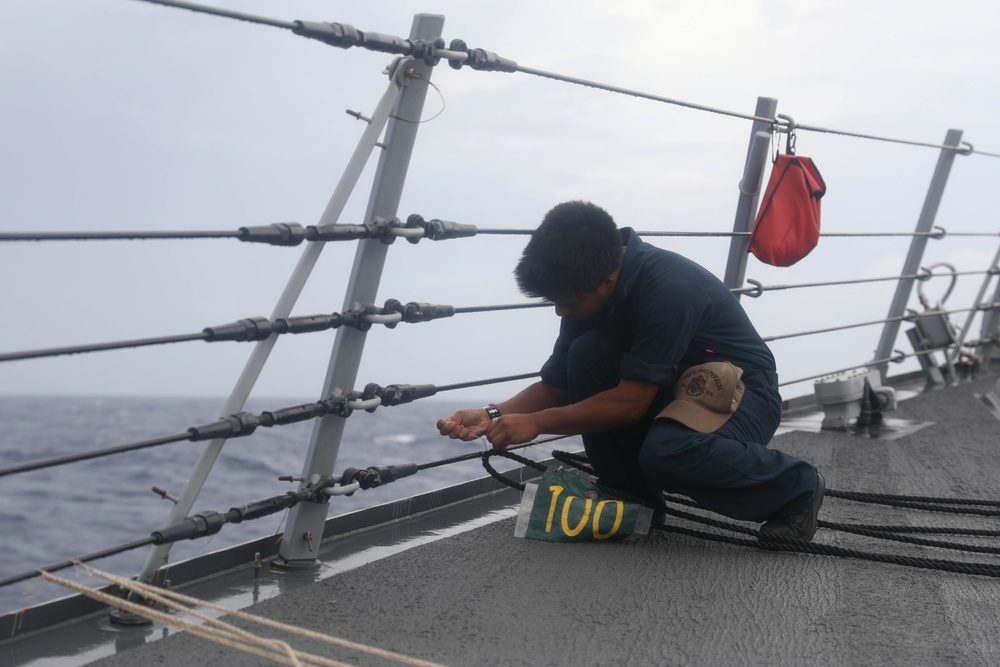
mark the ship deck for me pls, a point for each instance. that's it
(481, 596)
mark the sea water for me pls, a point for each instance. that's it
(55, 514)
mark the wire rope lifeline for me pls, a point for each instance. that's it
(771, 543)
(340, 403)
(209, 522)
(253, 329)
(386, 230)
(459, 55)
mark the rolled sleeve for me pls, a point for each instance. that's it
(633, 368)
(554, 373)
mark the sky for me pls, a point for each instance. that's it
(123, 115)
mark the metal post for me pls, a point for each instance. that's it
(261, 351)
(925, 223)
(299, 546)
(991, 322)
(746, 207)
(988, 315)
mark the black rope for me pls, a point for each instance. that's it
(926, 530)
(889, 499)
(868, 531)
(984, 569)
(872, 531)
(478, 455)
(486, 456)
(771, 543)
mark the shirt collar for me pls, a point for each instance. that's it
(631, 262)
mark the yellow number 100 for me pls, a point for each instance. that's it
(573, 532)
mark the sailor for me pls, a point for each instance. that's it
(660, 370)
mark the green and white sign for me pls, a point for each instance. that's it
(563, 507)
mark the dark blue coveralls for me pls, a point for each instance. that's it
(667, 314)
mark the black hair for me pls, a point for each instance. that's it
(575, 248)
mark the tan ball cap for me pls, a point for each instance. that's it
(706, 396)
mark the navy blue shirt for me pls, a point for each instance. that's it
(669, 314)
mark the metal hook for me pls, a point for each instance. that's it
(930, 274)
(899, 357)
(790, 142)
(939, 234)
(776, 143)
(758, 291)
(965, 151)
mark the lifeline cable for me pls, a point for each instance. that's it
(294, 234)
(200, 525)
(244, 423)
(345, 36)
(62, 565)
(253, 329)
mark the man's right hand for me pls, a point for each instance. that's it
(464, 424)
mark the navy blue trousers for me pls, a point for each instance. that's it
(730, 471)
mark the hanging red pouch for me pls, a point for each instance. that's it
(787, 225)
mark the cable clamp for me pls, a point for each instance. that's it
(336, 402)
(427, 50)
(381, 228)
(355, 317)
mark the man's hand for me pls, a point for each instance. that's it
(464, 424)
(512, 430)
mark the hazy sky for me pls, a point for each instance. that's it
(121, 115)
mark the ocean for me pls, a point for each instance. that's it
(51, 515)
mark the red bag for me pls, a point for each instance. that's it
(787, 225)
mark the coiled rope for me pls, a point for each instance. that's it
(770, 543)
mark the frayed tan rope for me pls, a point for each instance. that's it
(280, 651)
(219, 630)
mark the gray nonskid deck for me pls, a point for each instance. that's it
(485, 597)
